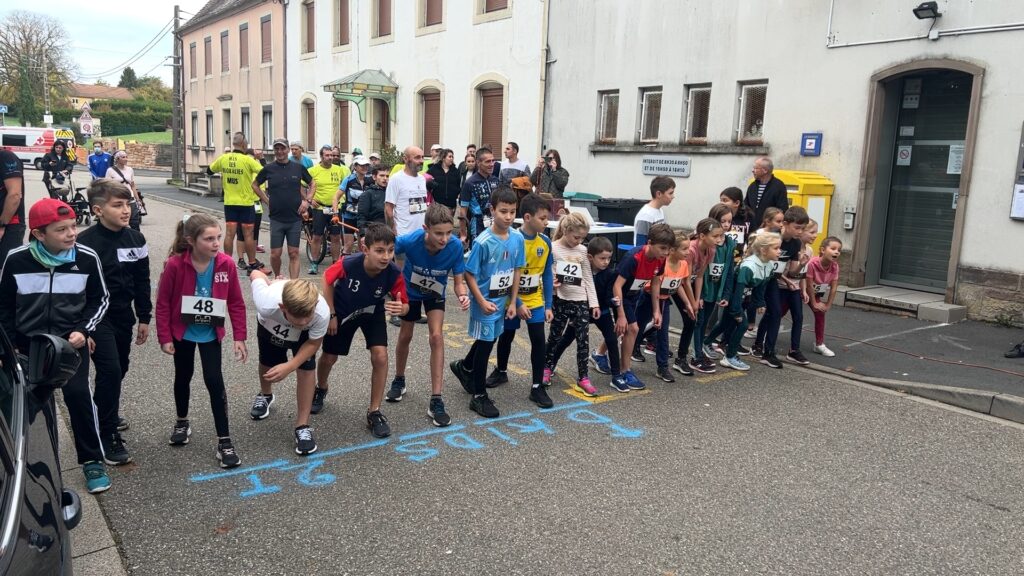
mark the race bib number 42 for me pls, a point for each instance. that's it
(569, 273)
(501, 285)
(203, 311)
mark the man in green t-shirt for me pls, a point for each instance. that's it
(238, 170)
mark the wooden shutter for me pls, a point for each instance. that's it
(495, 5)
(343, 25)
(383, 17)
(224, 67)
(265, 39)
(341, 107)
(434, 12)
(431, 118)
(491, 115)
(192, 60)
(310, 8)
(243, 46)
(208, 56)
(310, 110)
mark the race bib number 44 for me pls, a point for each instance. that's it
(569, 273)
(203, 311)
(281, 333)
(501, 285)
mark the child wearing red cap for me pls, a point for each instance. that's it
(53, 285)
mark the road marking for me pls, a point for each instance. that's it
(952, 341)
(486, 421)
(900, 333)
(719, 377)
(443, 430)
(605, 397)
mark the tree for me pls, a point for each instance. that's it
(37, 40)
(128, 79)
(26, 101)
(152, 88)
(101, 82)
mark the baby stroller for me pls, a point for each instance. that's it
(83, 213)
(60, 186)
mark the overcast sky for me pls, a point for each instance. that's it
(104, 35)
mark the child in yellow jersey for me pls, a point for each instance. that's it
(673, 283)
(533, 303)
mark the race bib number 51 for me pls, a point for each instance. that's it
(203, 311)
(529, 284)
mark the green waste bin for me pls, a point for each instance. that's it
(583, 200)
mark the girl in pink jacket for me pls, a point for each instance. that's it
(198, 290)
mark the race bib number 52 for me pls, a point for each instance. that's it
(501, 285)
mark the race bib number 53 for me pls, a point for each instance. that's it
(203, 311)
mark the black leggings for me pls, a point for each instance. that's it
(476, 360)
(184, 367)
(689, 324)
(536, 332)
(571, 322)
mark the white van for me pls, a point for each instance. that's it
(31, 144)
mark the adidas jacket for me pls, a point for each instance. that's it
(124, 255)
(35, 299)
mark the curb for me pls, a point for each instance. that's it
(265, 225)
(1005, 406)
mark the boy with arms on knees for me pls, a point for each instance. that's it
(291, 315)
(534, 299)
(125, 257)
(492, 273)
(429, 254)
(355, 288)
(53, 285)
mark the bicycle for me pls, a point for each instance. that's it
(325, 240)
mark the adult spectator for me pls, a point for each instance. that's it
(337, 157)
(121, 172)
(12, 203)
(238, 170)
(513, 166)
(406, 200)
(446, 185)
(351, 190)
(766, 190)
(436, 152)
(475, 197)
(299, 156)
(549, 177)
(286, 182)
(99, 161)
(467, 167)
(374, 160)
(56, 165)
(257, 154)
(327, 177)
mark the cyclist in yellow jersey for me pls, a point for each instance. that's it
(238, 170)
(327, 177)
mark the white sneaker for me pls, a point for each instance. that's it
(750, 334)
(824, 351)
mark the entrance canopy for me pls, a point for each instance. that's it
(362, 86)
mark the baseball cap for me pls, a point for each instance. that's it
(362, 160)
(357, 151)
(47, 211)
(435, 147)
(280, 142)
(374, 155)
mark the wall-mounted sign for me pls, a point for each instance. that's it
(666, 165)
(810, 144)
(903, 155)
(955, 163)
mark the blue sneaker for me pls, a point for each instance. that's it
(735, 363)
(620, 383)
(632, 381)
(600, 362)
(96, 479)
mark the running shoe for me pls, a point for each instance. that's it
(319, 394)
(465, 377)
(114, 451)
(600, 362)
(709, 352)
(261, 406)
(649, 349)
(665, 374)
(483, 406)
(261, 248)
(547, 377)
(496, 378)
(96, 479)
(226, 454)
(241, 264)
(122, 424)
(770, 359)
(620, 383)
(717, 347)
(750, 334)
(256, 265)
(304, 442)
(180, 433)
(735, 363)
(539, 396)
(378, 424)
(637, 356)
(395, 321)
(742, 350)
(797, 357)
(682, 366)
(757, 350)
(397, 390)
(632, 381)
(824, 351)
(704, 366)
(437, 413)
(583, 386)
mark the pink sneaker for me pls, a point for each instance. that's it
(585, 387)
(547, 377)
(261, 249)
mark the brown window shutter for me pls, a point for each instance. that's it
(431, 119)
(433, 12)
(208, 56)
(192, 60)
(224, 52)
(243, 46)
(265, 40)
(494, 5)
(491, 114)
(383, 17)
(310, 27)
(343, 24)
(310, 126)
(342, 106)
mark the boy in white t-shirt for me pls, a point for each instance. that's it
(663, 190)
(405, 202)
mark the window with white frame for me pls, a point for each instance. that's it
(268, 127)
(246, 125)
(650, 115)
(195, 128)
(209, 128)
(608, 116)
(381, 18)
(698, 107)
(750, 113)
(308, 27)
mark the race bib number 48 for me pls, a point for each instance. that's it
(569, 273)
(501, 285)
(203, 311)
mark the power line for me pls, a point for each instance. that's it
(135, 57)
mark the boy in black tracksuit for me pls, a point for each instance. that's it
(125, 258)
(55, 286)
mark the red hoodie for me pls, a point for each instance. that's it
(179, 278)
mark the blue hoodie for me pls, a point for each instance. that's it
(98, 164)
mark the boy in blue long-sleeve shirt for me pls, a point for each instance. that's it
(99, 161)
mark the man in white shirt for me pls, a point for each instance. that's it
(513, 166)
(405, 201)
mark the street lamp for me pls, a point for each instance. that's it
(927, 10)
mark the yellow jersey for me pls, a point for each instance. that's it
(535, 279)
(326, 182)
(237, 171)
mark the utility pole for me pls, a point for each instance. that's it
(46, 91)
(177, 143)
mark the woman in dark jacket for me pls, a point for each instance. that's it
(549, 176)
(446, 185)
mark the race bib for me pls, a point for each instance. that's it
(258, 206)
(670, 285)
(778, 266)
(203, 311)
(822, 291)
(427, 284)
(281, 333)
(501, 285)
(417, 205)
(529, 284)
(360, 312)
(736, 235)
(569, 273)
(352, 208)
(638, 285)
(327, 210)
(716, 271)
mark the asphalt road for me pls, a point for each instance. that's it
(771, 472)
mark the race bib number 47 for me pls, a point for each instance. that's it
(203, 311)
(426, 284)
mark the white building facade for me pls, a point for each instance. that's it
(920, 122)
(423, 72)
